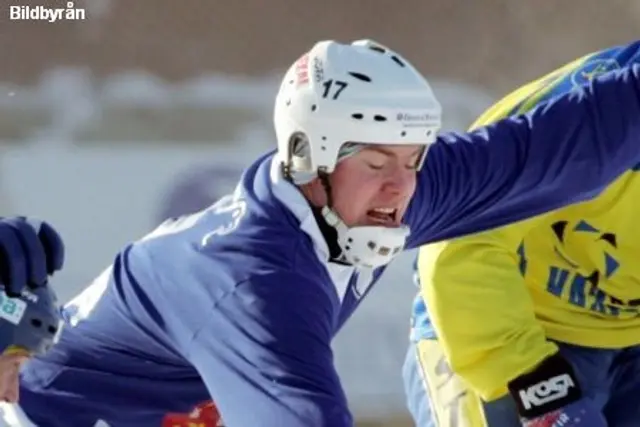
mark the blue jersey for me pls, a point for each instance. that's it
(239, 303)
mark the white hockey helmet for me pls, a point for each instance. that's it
(352, 93)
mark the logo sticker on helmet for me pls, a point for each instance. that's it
(302, 70)
(425, 119)
(11, 309)
(318, 69)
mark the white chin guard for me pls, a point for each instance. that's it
(367, 246)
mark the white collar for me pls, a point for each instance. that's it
(290, 196)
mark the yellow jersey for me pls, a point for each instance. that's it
(572, 275)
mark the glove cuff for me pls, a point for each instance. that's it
(550, 386)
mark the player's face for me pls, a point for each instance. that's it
(374, 186)
(9, 369)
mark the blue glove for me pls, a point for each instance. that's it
(30, 251)
(550, 396)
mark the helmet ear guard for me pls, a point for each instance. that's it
(297, 166)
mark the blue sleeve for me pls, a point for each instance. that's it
(562, 152)
(265, 355)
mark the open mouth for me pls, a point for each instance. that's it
(383, 216)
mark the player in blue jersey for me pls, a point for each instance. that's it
(238, 304)
(30, 251)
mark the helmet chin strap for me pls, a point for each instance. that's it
(332, 219)
(332, 222)
(326, 184)
(334, 225)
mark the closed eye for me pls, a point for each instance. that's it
(375, 167)
(416, 160)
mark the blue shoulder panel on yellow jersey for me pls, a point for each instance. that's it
(579, 72)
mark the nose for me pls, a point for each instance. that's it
(401, 181)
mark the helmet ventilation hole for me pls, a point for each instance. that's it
(314, 107)
(360, 76)
(403, 133)
(379, 118)
(398, 61)
(357, 116)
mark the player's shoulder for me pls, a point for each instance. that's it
(563, 79)
(582, 71)
(246, 231)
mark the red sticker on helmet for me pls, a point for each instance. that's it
(302, 70)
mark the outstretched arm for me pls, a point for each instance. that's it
(562, 152)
